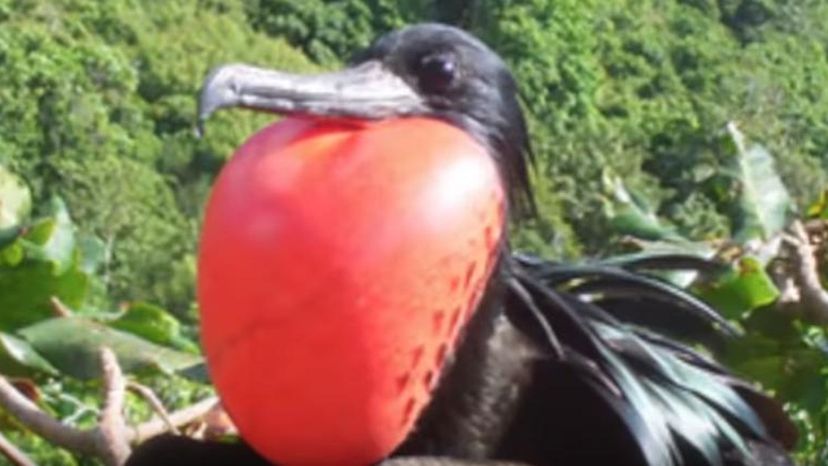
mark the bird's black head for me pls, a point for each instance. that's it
(424, 70)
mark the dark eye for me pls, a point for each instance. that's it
(436, 72)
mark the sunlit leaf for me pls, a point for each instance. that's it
(763, 202)
(745, 288)
(12, 254)
(15, 199)
(52, 239)
(153, 324)
(26, 291)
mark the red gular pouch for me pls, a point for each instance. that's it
(339, 262)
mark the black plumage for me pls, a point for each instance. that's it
(561, 364)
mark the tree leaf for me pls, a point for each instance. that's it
(15, 199)
(72, 345)
(26, 291)
(52, 239)
(153, 324)
(763, 202)
(628, 214)
(197, 373)
(19, 359)
(745, 288)
(795, 372)
(9, 235)
(12, 254)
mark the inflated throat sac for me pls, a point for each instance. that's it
(339, 262)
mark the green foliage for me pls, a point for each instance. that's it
(47, 268)
(644, 88)
(153, 324)
(742, 289)
(41, 264)
(763, 203)
(71, 344)
(331, 31)
(788, 357)
(97, 105)
(19, 359)
(629, 214)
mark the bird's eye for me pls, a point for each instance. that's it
(436, 72)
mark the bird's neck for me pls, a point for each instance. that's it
(480, 389)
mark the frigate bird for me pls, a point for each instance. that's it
(569, 364)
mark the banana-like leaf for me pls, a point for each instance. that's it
(630, 215)
(72, 345)
(19, 359)
(764, 203)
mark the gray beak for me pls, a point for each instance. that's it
(366, 91)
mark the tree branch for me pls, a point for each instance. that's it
(14, 454)
(179, 418)
(44, 425)
(805, 273)
(112, 434)
(110, 440)
(149, 396)
(59, 309)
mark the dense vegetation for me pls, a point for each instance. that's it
(97, 108)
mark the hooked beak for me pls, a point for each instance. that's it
(366, 91)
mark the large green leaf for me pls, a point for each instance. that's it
(9, 235)
(40, 265)
(19, 359)
(153, 324)
(795, 372)
(52, 239)
(197, 373)
(72, 345)
(630, 215)
(763, 202)
(12, 253)
(15, 199)
(26, 291)
(745, 288)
